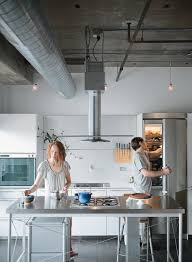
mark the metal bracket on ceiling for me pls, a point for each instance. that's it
(145, 9)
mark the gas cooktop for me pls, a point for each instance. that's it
(98, 202)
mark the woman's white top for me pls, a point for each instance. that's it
(54, 181)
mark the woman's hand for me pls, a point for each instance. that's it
(27, 192)
(65, 189)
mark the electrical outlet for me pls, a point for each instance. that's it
(123, 168)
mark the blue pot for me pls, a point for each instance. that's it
(84, 197)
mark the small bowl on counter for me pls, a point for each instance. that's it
(28, 199)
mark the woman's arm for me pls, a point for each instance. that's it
(35, 186)
(67, 184)
(164, 172)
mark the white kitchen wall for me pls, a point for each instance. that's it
(138, 90)
(4, 99)
(95, 162)
(18, 133)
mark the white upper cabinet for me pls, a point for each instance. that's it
(18, 133)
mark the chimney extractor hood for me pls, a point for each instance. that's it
(94, 85)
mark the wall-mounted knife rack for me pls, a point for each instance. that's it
(123, 153)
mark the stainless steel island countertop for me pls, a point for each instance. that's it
(156, 206)
(42, 206)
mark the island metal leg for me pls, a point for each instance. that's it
(168, 238)
(64, 246)
(180, 236)
(126, 246)
(23, 253)
(29, 242)
(24, 241)
(9, 240)
(66, 239)
(132, 248)
(118, 240)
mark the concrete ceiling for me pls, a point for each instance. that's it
(166, 20)
(165, 35)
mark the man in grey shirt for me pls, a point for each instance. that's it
(143, 174)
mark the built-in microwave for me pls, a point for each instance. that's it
(17, 169)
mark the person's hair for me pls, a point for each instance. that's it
(135, 142)
(61, 148)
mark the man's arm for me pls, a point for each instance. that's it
(163, 172)
(155, 154)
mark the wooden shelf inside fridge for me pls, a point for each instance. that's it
(154, 142)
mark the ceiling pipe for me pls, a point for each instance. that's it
(23, 27)
(156, 29)
(162, 41)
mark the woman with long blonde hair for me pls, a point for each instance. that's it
(55, 171)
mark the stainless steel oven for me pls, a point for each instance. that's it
(17, 169)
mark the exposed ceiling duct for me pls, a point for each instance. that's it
(23, 27)
(94, 85)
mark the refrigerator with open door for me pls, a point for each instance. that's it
(170, 133)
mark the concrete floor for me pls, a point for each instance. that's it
(101, 250)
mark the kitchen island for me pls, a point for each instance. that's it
(163, 206)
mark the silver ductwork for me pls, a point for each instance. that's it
(94, 85)
(23, 27)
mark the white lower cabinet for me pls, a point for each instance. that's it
(89, 226)
(112, 226)
(7, 197)
(17, 226)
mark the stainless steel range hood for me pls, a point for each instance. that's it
(94, 85)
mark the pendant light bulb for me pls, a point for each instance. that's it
(35, 87)
(171, 86)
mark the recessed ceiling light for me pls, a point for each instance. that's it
(77, 6)
(166, 6)
(189, 53)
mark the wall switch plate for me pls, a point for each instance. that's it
(123, 168)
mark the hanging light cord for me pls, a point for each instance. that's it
(170, 80)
